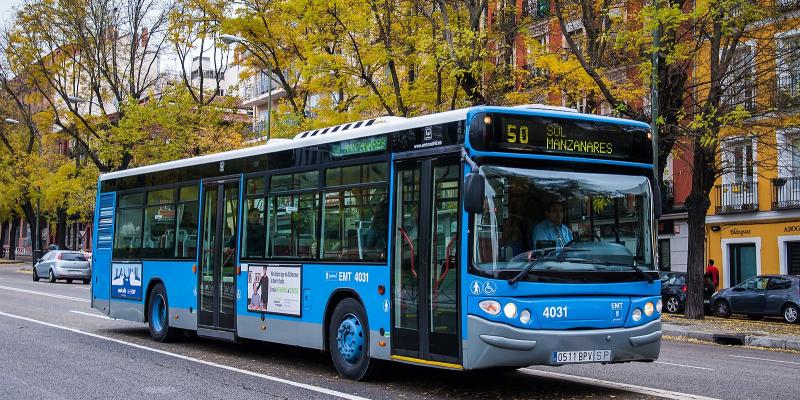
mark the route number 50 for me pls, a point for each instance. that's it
(516, 134)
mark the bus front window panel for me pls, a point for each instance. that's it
(563, 221)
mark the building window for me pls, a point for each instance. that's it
(738, 84)
(664, 261)
(740, 161)
(788, 76)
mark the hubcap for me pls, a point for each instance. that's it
(159, 313)
(350, 339)
(722, 309)
(672, 305)
(790, 314)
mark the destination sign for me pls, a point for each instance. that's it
(358, 146)
(562, 136)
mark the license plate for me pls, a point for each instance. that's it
(585, 356)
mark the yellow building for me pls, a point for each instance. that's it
(753, 224)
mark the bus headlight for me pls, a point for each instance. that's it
(637, 315)
(510, 310)
(658, 306)
(525, 316)
(491, 307)
(648, 308)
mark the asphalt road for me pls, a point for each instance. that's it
(54, 346)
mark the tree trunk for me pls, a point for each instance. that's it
(3, 228)
(13, 239)
(30, 218)
(61, 228)
(697, 204)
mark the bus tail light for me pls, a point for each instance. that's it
(683, 289)
(491, 307)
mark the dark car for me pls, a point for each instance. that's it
(673, 292)
(764, 295)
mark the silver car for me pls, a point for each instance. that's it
(63, 264)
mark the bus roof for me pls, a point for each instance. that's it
(353, 130)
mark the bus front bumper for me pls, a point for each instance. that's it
(493, 344)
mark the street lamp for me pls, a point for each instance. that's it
(231, 39)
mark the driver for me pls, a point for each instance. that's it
(551, 229)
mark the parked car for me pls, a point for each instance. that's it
(63, 264)
(673, 292)
(764, 295)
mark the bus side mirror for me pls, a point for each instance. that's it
(474, 192)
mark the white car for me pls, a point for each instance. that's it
(63, 264)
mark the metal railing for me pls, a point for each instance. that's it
(786, 5)
(256, 131)
(737, 197)
(787, 90)
(786, 193)
(740, 95)
(259, 88)
(667, 195)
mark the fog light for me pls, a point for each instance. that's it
(658, 305)
(510, 310)
(491, 307)
(525, 316)
(648, 308)
(637, 315)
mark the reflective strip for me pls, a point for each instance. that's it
(427, 362)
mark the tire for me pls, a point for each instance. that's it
(158, 316)
(69, 280)
(35, 275)
(51, 277)
(722, 309)
(348, 339)
(673, 305)
(86, 281)
(791, 313)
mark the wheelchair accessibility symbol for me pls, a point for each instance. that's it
(489, 288)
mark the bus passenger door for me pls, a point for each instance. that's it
(217, 278)
(425, 261)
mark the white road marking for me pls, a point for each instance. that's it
(684, 365)
(767, 359)
(616, 385)
(57, 296)
(313, 388)
(91, 315)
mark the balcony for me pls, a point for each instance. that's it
(538, 9)
(257, 93)
(787, 90)
(737, 197)
(667, 196)
(256, 131)
(787, 5)
(786, 193)
(740, 95)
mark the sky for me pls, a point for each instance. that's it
(6, 9)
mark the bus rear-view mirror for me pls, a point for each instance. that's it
(473, 193)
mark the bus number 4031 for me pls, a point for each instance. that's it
(555, 312)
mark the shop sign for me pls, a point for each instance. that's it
(736, 231)
(792, 228)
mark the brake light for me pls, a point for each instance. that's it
(683, 289)
(59, 256)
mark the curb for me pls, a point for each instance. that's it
(736, 339)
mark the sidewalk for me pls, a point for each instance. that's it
(769, 333)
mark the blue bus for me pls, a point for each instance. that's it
(476, 238)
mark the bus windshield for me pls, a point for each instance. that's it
(563, 222)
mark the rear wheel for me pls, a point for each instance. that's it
(158, 316)
(791, 313)
(673, 305)
(51, 277)
(348, 338)
(69, 280)
(722, 309)
(35, 275)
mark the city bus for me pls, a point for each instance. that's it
(486, 237)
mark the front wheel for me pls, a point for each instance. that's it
(69, 280)
(348, 338)
(673, 305)
(86, 281)
(158, 316)
(791, 313)
(722, 309)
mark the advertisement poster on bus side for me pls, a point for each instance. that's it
(274, 288)
(126, 281)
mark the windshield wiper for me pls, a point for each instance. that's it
(525, 271)
(634, 267)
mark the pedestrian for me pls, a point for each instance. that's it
(713, 273)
